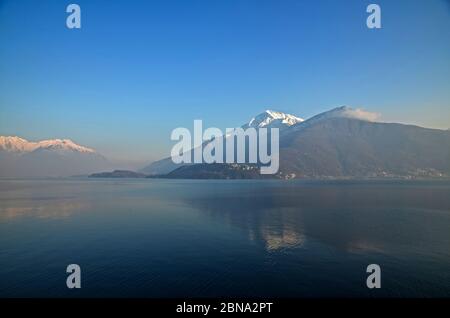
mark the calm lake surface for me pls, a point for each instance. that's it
(186, 238)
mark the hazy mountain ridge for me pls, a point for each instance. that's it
(20, 145)
(48, 158)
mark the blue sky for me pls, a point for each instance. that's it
(138, 69)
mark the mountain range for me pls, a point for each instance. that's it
(340, 143)
(48, 158)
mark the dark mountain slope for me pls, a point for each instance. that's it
(350, 147)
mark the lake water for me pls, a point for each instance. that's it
(186, 238)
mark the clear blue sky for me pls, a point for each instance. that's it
(138, 69)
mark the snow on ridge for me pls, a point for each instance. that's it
(270, 117)
(16, 144)
(20, 145)
(64, 144)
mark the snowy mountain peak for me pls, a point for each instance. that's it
(20, 145)
(15, 144)
(273, 119)
(63, 144)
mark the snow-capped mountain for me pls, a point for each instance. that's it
(47, 158)
(63, 144)
(16, 144)
(20, 145)
(267, 119)
(340, 143)
(273, 119)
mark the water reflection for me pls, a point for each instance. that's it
(178, 238)
(356, 218)
(48, 209)
(350, 216)
(286, 237)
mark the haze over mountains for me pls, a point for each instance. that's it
(47, 158)
(340, 143)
